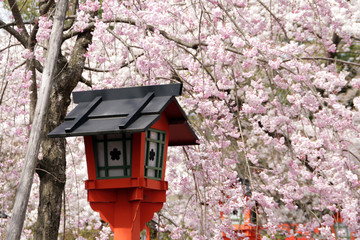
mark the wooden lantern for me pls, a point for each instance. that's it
(127, 132)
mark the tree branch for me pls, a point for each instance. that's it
(233, 21)
(71, 34)
(147, 27)
(327, 59)
(69, 24)
(86, 82)
(3, 25)
(10, 46)
(18, 18)
(202, 65)
(3, 92)
(20, 65)
(39, 66)
(51, 174)
(14, 33)
(276, 19)
(96, 69)
(45, 7)
(163, 33)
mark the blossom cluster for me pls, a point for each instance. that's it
(270, 88)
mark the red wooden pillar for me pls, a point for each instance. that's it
(148, 233)
(126, 216)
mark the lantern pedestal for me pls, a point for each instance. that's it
(128, 209)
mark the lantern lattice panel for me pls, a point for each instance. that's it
(113, 155)
(154, 157)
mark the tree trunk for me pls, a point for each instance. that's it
(32, 151)
(52, 168)
(51, 171)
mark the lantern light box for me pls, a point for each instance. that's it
(126, 134)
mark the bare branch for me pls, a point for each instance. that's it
(352, 154)
(233, 21)
(10, 46)
(86, 82)
(147, 27)
(39, 66)
(3, 25)
(3, 92)
(202, 65)
(71, 34)
(20, 65)
(96, 69)
(30, 66)
(14, 33)
(51, 174)
(171, 221)
(18, 18)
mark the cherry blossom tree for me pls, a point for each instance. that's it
(271, 88)
(51, 167)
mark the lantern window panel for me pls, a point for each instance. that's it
(237, 216)
(342, 231)
(154, 153)
(113, 155)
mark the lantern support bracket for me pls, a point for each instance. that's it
(135, 114)
(84, 114)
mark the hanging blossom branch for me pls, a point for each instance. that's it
(107, 70)
(151, 28)
(276, 19)
(328, 59)
(123, 42)
(89, 83)
(162, 32)
(180, 42)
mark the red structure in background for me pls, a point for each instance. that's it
(127, 132)
(245, 224)
(339, 229)
(252, 232)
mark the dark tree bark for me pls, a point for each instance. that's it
(23, 190)
(51, 169)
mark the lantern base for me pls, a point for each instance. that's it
(126, 210)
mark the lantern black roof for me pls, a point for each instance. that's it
(121, 110)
